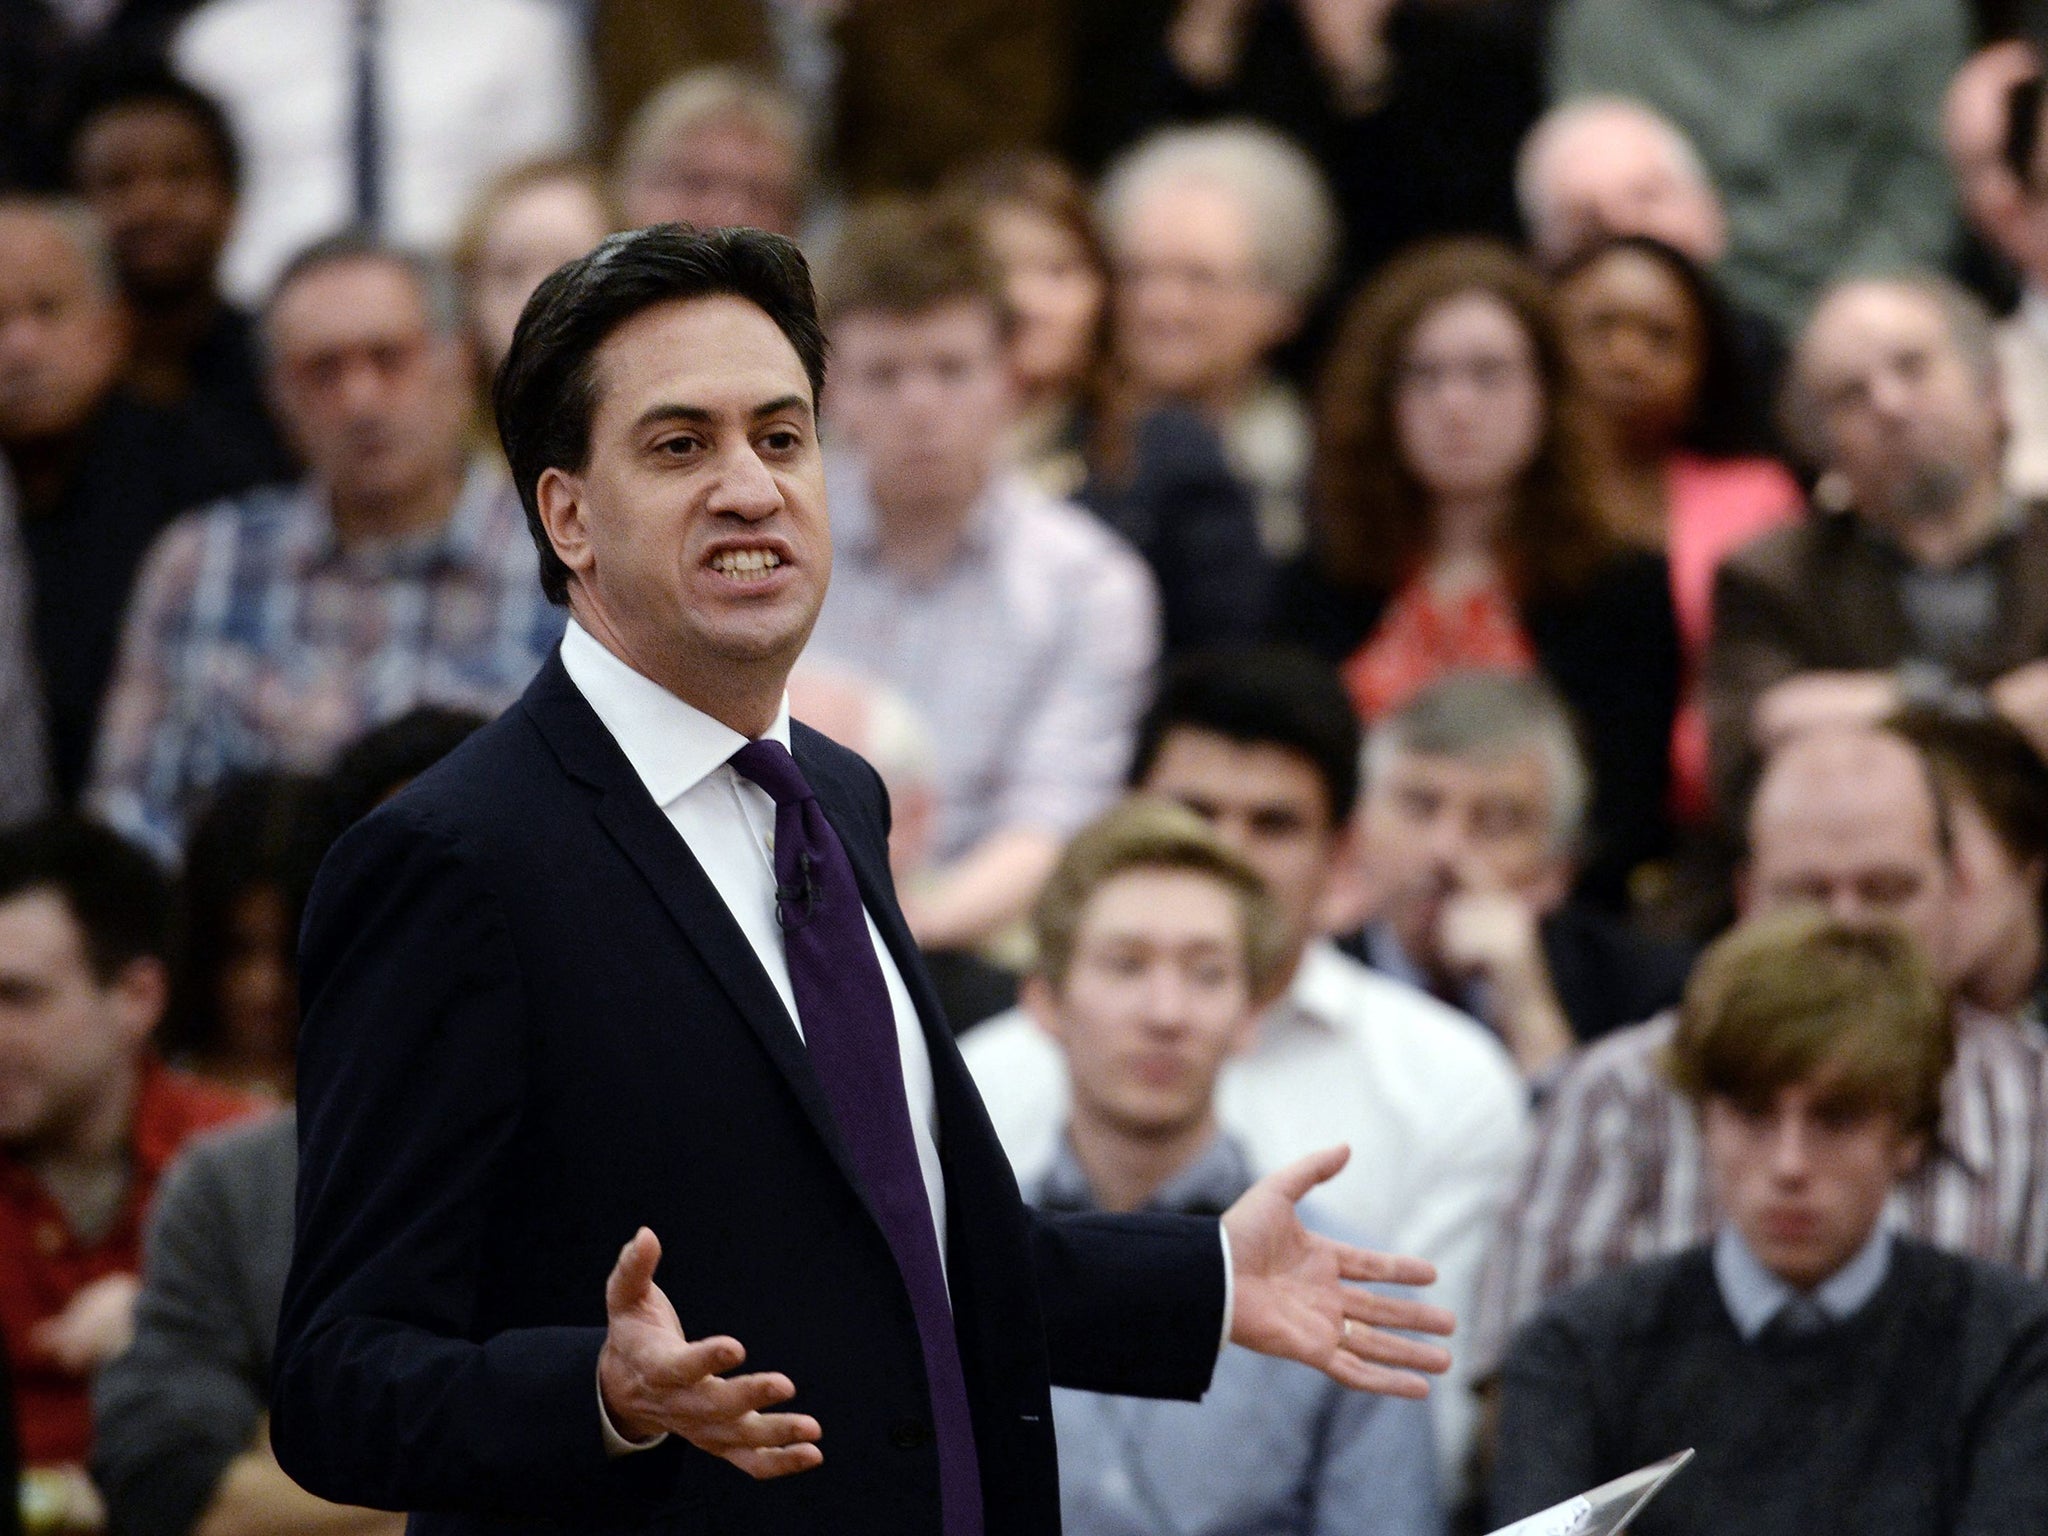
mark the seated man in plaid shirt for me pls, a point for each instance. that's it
(272, 630)
(1858, 822)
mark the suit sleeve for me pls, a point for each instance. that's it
(1133, 1305)
(412, 1076)
(1548, 1449)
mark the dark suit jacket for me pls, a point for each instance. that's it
(531, 1026)
(1822, 594)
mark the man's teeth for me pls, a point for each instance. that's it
(747, 564)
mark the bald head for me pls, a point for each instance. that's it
(1851, 821)
(1602, 166)
(60, 324)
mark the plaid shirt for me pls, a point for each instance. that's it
(1618, 1171)
(257, 641)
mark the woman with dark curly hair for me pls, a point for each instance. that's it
(1457, 526)
(1655, 355)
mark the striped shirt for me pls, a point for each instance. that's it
(257, 641)
(1617, 1173)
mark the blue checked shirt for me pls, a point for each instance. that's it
(257, 641)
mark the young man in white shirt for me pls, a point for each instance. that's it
(1263, 746)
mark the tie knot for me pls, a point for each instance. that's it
(769, 765)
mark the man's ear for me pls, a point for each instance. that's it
(1907, 1154)
(141, 991)
(1036, 996)
(1549, 890)
(558, 496)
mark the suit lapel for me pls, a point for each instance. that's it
(635, 823)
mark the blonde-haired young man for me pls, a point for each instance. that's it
(1154, 940)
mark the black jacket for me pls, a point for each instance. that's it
(532, 1026)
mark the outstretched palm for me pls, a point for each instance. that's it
(1298, 1296)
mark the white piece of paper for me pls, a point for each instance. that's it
(1559, 1520)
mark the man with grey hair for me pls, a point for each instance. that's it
(97, 472)
(1598, 167)
(1221, 237)
(716, 147)
(272, 630)
(1474, 806)
(1925, 578)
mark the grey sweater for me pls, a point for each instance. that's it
(1925, 1414)
(186, 1398)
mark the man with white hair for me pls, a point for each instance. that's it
(1819, 122)
(1598, 167)
(1474, 811)
(1221, 238)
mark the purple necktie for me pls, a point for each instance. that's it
(850, 1030)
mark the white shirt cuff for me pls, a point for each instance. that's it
(1229, 1293)
(617, 1445)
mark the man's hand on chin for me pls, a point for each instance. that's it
(654, 1381)
(1293, 1296)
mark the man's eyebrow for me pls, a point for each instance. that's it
(697, 415)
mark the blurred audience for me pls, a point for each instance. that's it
(183, 1437)
(1998, 811)
(52, 49)
(2008, 203)
(270, 631)
(1411, 108)
(1823, 175)
(89, 1117)
(528, 221)
(1017, 620)
(717, 147)
(155, 160)
(876, 720)
(97, 471)
(386, 114)
(1459, 524)
(1929, 580)
(1262, 745)
(1826, 1373)
(1657, 360)
(24, 746)
(1475, 808)
(1221, 238)
(899, 94)
(1153, 470)
(1037, 224)
(1153, 941)
(1856, 821)
(1597, 168)
(386, 758)
(249, 863)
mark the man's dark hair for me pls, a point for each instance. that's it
(906, 256)
(545, 395)
(151, 85)
(115, 892)
(1986, 760)
(1268, 696)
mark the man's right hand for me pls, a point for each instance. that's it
(655, 1381)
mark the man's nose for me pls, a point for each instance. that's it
(1790, 1148)
(745, 487)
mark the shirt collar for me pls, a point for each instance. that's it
(1754, 1295)
(673, 746)
(1208, 1186)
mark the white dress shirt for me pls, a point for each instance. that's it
(728, 823)
(1430, 1104)
(466, 88)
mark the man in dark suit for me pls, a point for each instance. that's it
(628, 963)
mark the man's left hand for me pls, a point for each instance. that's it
(97, 1325)
(1295, 1295)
